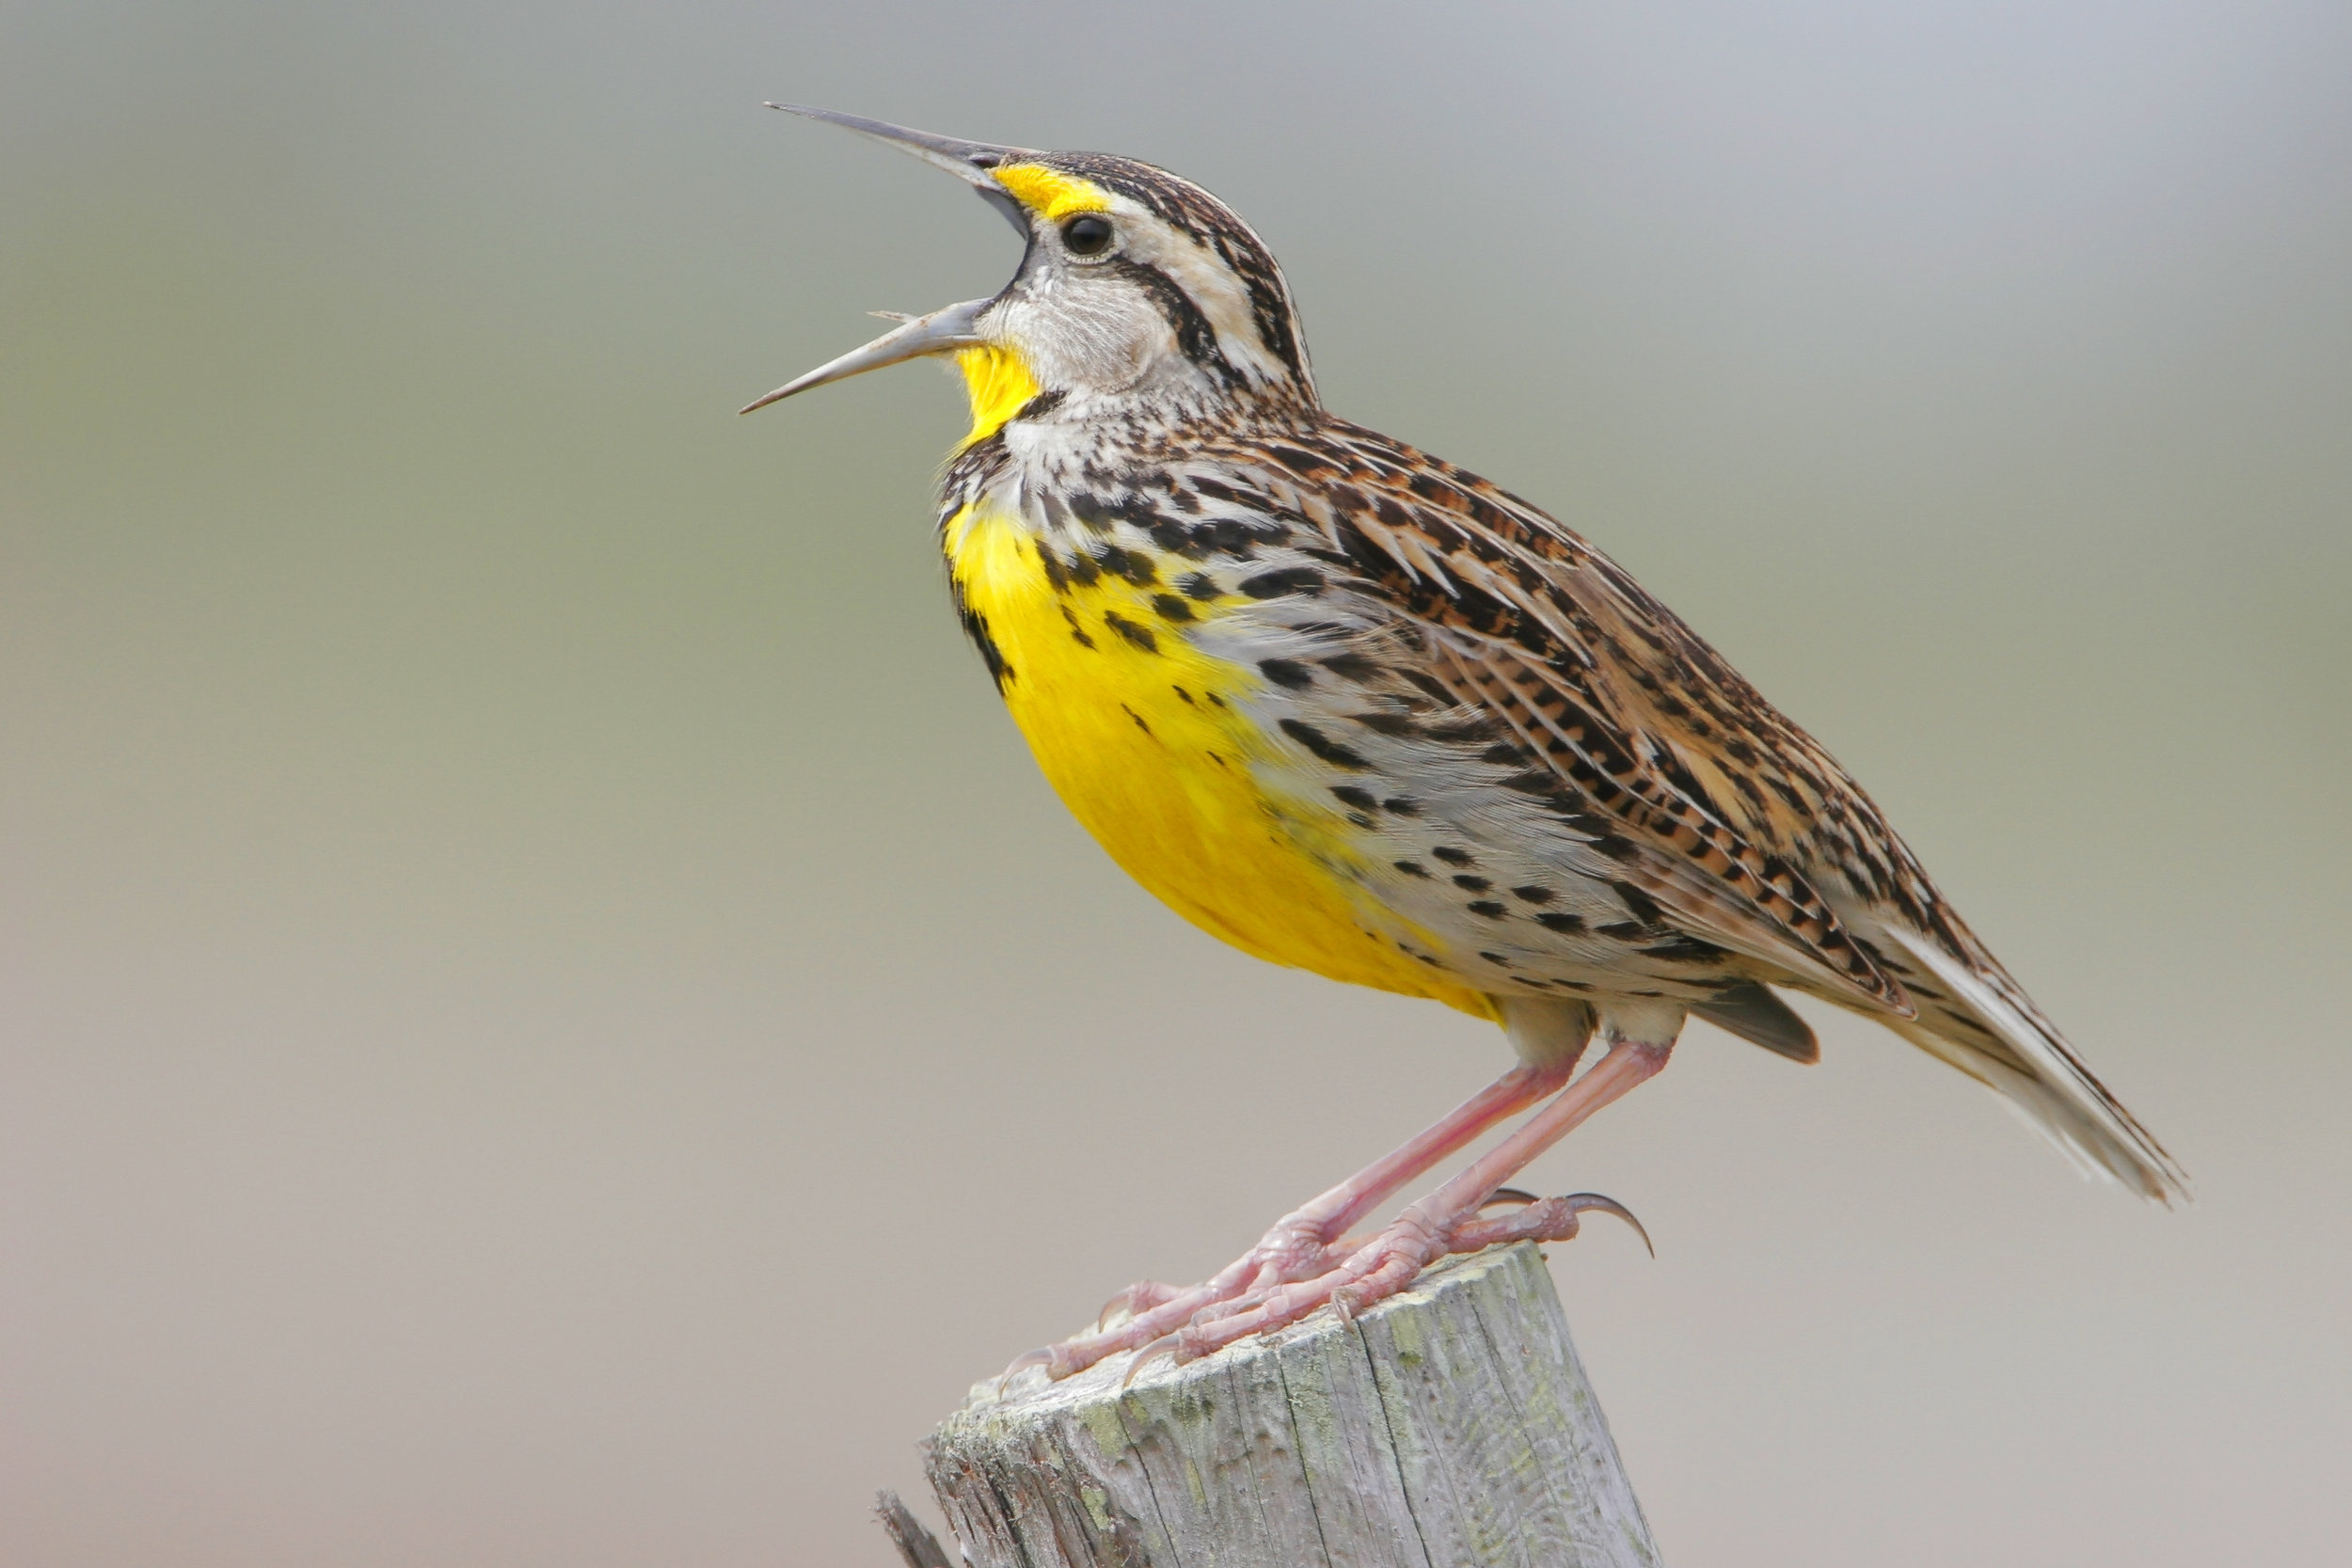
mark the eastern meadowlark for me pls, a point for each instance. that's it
(1355, 710)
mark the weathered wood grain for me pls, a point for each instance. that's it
(1450, 1426)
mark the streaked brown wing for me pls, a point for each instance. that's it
(1619, 711)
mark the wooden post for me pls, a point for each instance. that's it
(1450, 1426)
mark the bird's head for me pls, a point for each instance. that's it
(1136, 287)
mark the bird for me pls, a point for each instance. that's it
(1357, 710)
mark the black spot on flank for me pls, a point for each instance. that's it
(1133, 566)
(1137, 508)
(1431, 687)
(1472, 884)
(1183, 693)
(1140, 636)
(1533, 781)
(1081, 637)
(1616, 848)
(1354, 667)
(1386, 723)
(1172, 606)
(1197, 585)
(1306, 465)
(1285, 671)
(1322, 745)
(1228, 536)
(1093, 511)
(1360, 819)
(1688, 950)
(1170, 535)
(1214, 758)
(1497, 959)
(1638, 904)
(1553, 920)
(1216, 701)
(1532, 895)
(1400, 805)
(1504, 753)
(1290, 580)
(1361, 799)
(1488, 907)
(1137, 717)
(1411, 868)
(1454, 856)
(1626, 931)
(1463, 730)
(1054, 572)
(1084, 572)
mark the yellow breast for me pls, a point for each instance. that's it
(1147, 741)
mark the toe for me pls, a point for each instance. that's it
(1136, 1300)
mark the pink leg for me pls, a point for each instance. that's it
(1299, 1244)
(1446, 1221)
(1360, 1194)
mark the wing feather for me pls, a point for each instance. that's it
(1654, 751)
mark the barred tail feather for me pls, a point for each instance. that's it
(2058, 1096)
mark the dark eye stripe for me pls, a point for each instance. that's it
(1195, 337)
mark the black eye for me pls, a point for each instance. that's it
(1087, 234)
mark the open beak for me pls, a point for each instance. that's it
(943, 331)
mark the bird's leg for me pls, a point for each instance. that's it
(1299, 1246)
(1446, 1221)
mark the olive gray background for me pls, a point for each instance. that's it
(548, 1019)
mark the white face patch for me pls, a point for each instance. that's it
(1079, 335)
(1157, 314)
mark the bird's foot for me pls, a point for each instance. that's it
(1365, 1275)
(1292, 1272)
(1297, 1248)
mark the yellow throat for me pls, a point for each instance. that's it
(1148, 739)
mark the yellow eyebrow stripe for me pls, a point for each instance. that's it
(1050, 193)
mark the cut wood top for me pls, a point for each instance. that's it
(1451, 1424)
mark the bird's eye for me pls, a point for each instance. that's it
(1087, 234)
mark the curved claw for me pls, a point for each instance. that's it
(1587, 1203)
(1041, 1356)
(1167, 1344)
(1508, 1195)
(1136, 1300)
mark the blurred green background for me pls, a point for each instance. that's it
(545, 1017)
